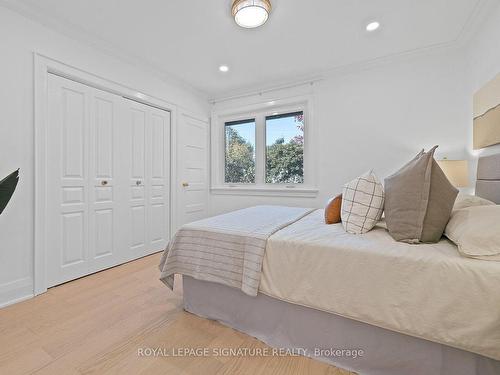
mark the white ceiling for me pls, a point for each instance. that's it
(189, 39)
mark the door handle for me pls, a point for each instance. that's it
(185, 184)
(104, 182)
(138, 182)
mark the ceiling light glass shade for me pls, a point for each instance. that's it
(372, 26)
(251, 13)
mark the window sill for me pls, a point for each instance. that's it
(303, 192)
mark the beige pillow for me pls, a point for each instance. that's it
(466, 200)
(332, 210)
(476, 231)
(419, 200)
(362, 203)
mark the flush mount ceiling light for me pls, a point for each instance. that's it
(372, 26)
(251, 13)
(224, 68)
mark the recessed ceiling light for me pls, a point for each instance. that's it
(251, 13)
(372, 26)
(224, 68)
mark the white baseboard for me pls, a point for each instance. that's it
(16, 300)
(16, 291)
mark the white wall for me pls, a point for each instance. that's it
(483, 64)
(374, 118)
(19, 37)
(378, 118)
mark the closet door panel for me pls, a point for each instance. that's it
(135, 152)
(73, 238)
(157, 226)
(138, 220)
(158, 183)
(104, 230)
(104, 116)
(67, 180)
(138, 143)
(149, 178)
(158, 128)
(73, 127)
(103, 169)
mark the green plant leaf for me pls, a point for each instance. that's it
(7, 187)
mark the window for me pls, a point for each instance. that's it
(285, 148)
(264, 149)
(239, 152)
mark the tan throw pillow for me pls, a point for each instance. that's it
(419, 200)
(466, 200)
(332, 210)
(476, 231)
(362, 203)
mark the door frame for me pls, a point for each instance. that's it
(44, 66)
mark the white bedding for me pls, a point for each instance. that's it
(226, 249)
(427, 291)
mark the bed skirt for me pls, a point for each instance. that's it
(342, 342)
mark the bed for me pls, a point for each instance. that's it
(363, 303)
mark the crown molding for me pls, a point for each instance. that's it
(476, 19)
(481, 11)
(340, 70)
(479, 14)
(77, 33)
(260, 90)
(336, 71)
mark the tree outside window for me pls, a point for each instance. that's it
(285, 148)
(240, 152)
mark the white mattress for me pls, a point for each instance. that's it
(427, 291)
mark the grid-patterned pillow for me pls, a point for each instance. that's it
(362, 203)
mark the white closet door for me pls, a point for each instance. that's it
(148, 133)
(67, 180)
(104, 180)
(158, 183)
(108, 175)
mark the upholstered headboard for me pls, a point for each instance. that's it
(488, 178)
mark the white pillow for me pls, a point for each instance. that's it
(466, 200)
(362, 203)
(476, 231)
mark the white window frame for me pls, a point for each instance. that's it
(259, 112)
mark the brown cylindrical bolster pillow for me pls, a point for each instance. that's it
(332, 210)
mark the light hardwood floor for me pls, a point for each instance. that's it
(97, 325)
